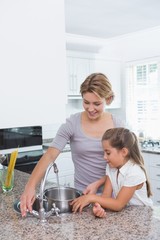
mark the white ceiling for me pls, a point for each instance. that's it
(110, 18)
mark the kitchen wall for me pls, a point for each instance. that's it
(135, 46)
(32, 63)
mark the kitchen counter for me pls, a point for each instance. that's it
(140, 223)
(151, 150)
(47, 142)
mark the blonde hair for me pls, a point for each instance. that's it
(99, 84)
(123, 138)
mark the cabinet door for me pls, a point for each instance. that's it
(78, 69)
(112, 69)
(156, 192)
(155, 173)
(152, 163)
(146, 157)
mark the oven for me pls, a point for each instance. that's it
(28, 140)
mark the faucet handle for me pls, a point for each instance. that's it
(55, 209)
(35, 213)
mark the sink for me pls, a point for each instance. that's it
(60, 196)
(36, 206)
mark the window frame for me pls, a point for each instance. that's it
(133, 99)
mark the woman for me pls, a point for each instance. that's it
(84, 130)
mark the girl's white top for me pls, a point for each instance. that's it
(129, 175)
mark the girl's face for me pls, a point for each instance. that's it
(114, 157)
(93, 105)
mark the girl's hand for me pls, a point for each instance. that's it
(98, 211)
(80, 202)
(26, 201)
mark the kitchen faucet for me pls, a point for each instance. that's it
(42, 214)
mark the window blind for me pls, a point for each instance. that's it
(143, 98)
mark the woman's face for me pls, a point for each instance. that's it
(93, 105)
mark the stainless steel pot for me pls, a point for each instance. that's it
(61, 197)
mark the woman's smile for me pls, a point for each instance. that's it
(93, 105)
(93, 113)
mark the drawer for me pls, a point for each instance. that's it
(155, 186)
(155, 173)
(155, 160)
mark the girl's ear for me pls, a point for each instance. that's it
(124, 151)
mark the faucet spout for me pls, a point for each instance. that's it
(42, 214)
(55, 168)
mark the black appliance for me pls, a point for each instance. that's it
(28, 140)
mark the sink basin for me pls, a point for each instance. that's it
(35, 206)
(60, 196)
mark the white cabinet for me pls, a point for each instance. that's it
(78, 69)
(66, 170)
(112, 69)
(146, 157)
(152, 162)
(155, 176)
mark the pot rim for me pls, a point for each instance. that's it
(63, 188)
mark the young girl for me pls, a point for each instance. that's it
(126, 180)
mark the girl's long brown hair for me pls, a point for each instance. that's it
(123, 138)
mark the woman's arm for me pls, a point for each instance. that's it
(28, 196)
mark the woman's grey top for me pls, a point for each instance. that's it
(87, 152)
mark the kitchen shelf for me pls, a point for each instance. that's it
(74, 97)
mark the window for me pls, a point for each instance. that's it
(143, 99)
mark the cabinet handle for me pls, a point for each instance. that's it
(158, 201)
(158, 188)
(158, 165)
(70, 82)
(158, 175)
(74, 84)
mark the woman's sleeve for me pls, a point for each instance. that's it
(63, 135)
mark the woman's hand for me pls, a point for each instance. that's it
(91, 188)
(79, 203)
(26, 201)
(98, 211)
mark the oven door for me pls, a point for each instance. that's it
(26, 161)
